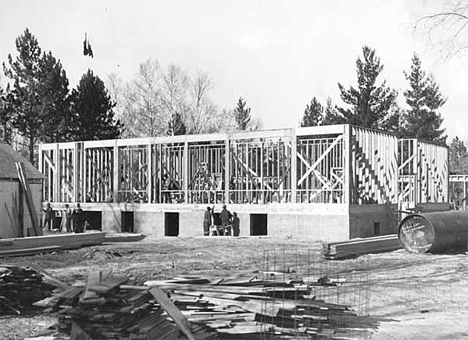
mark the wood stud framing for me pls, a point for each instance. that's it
(423, 172)
(458, 189)
(337, 164)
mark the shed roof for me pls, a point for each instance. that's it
(8, 157)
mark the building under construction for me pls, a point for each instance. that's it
(326, 183)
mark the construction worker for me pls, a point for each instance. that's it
(225, 219)
(78, 219)
(207, 221)
(165, 188)
(235, 224)
(48, 217)
(66, 219)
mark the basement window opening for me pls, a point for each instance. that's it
(93, 220)
(171, 224)
(127, 222)
(258, 224)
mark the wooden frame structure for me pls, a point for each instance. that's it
(342, 179)
(458, 188)
(339, 164)
(423, 172)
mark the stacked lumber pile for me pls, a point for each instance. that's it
(252, 309)
(20, 288)
(110, 308)
(356, 247)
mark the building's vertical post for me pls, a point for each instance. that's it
(41, 169)
(464, 192)
(185, 179)
(347, 167)
(447, 178)
(293, 165)
(85, 172)
(149, 169)
(57, 173)
(417, 172)
(115, 173)
(227, 169)
(76, 172)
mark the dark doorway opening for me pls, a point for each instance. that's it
(127, 221)
(377, 228)
(93, 220)
(171, 224)
(258, 224)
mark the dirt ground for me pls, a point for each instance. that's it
(417, 296)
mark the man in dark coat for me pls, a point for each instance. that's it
(78, 219)
(235, 225)
(225, 218)
(48, 217)
(207, 221)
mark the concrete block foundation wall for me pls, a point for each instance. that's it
(372, 220)
(319, 222)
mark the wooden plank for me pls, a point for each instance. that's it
(29, 251)
(108, 284)
(77, 333)
(29, 201)
(12, 222)
(115, 172)
(211, 288)
(65, 241)
(41, 270)
(366, 239)
(172, 311)
(88, 293)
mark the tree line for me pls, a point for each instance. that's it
(172, 101)
(373, 104)
(37, 105)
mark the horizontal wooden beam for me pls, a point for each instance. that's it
(320, 130)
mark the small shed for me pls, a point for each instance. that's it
(15, 220)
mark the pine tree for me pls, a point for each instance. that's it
(6, 114)
(313, 114)
(331, 115)
(55, 96)
(93, 112)
(422, 121)
(176, 125)
(393, 121)
(26, 101)
(242, 115)
(370, 103)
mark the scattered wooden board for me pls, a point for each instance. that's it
(356, 247)
(173, 311)
(64, 241)
(29, 251)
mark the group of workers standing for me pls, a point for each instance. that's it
(69, 215)
(226, 224)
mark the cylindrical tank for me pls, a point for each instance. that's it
(434, 232)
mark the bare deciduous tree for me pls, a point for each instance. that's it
(202, 109)
(140, 102)
(158, 98)
(445, 27)
(115, 88)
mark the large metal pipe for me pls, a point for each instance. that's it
(434, 232)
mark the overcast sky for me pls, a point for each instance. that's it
(276, 54)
